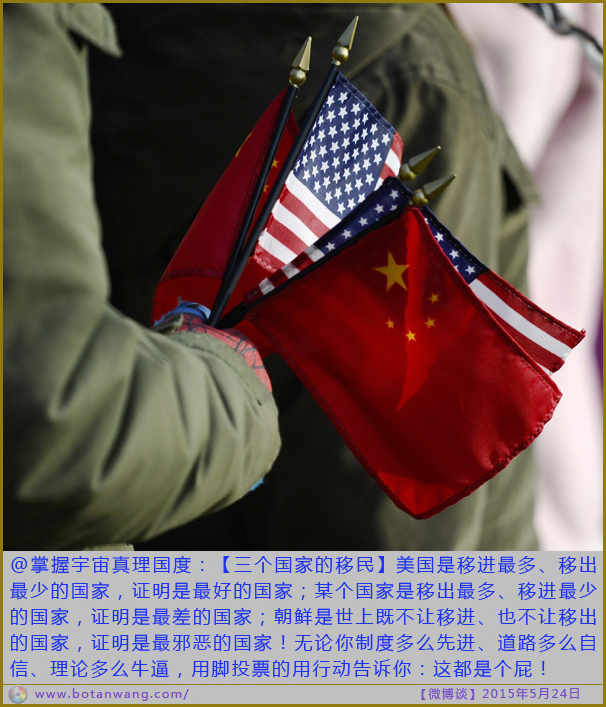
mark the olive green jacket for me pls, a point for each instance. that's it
(112, 433)
(199, 76)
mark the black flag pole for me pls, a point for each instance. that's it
(296, 78)
(340, 54)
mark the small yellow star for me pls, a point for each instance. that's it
(242, 145)
(393, 272)
(265, 188)
(275, 163)
(411, 336)
(430, 322)
(434, 298)
(390, 324)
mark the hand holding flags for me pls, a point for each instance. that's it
(434, 369)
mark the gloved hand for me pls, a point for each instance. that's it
(190, 316)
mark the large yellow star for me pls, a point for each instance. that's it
(393, 272)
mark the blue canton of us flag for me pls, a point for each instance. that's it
(467, 265)
(350, 151)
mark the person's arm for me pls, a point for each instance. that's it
(112, 433)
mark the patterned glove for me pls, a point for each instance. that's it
(190, 316)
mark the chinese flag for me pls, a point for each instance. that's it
(430, 392)
(196, 269)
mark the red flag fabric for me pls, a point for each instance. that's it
(431, 393)
(196, 269)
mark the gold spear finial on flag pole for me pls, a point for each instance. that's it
(417, 164)
(422, 196)
(340, 53)
(300, 65)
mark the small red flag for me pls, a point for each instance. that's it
(196, 269)
(429, 390)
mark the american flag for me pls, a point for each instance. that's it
(380, 203)
(547, 340)
(350, 151)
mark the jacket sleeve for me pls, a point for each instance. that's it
(113, 433)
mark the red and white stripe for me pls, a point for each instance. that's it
(393, 162)
(298, 219)
(547, 340)
(310, 255)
